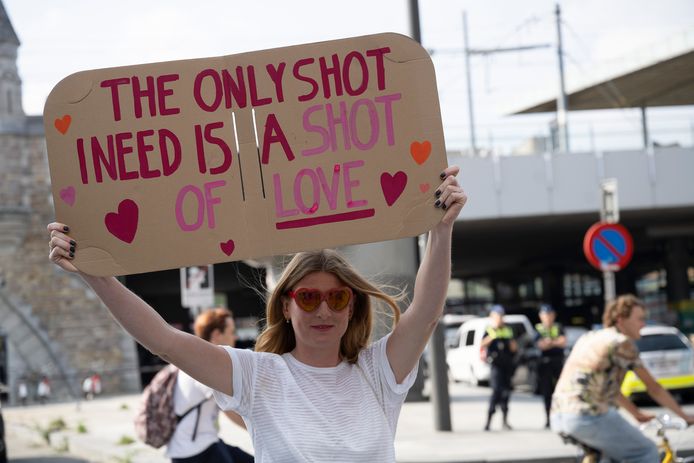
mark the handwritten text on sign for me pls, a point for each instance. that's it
(172, 164)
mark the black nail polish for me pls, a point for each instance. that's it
(66, 228)
(443, 175)
(443, 207)
(72, 249)
(438, 193)
(72, 254)
(72, 243)
(437, 203)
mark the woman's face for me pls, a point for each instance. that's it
(323, 327)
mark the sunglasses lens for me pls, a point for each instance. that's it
(308, 299)
(338, 298)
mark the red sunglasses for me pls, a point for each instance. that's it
(309, 299)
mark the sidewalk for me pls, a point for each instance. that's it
(108, 420)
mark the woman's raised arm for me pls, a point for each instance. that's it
(204, 361)
(411, 334)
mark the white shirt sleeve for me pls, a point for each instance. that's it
(244, 365)
(374, 361)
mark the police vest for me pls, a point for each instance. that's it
(552, 332)
(499, 350)
(500, 333)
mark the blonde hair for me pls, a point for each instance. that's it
(278, 336)
(619, 308)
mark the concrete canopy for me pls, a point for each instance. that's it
(668, 82)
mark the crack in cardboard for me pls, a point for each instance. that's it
(81, 99)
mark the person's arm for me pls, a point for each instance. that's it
(660, 394)
(235, 418)
(407, 342)
(144, 324)
(513, 345)
(633, 410)
(559, 342)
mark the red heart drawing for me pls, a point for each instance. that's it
(63, 124)
(227, 247)
(393, 186)
(420, 151)
(123, 224)
(68, 195)
(423, 187)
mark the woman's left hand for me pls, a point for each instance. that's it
(450, 195)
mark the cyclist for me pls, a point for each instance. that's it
(587, 393)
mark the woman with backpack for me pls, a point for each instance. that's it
(316, 389)
(196, 437)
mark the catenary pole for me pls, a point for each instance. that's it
(438, 374)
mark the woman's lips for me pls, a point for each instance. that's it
(321, 327)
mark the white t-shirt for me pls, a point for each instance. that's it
(188, 393)
(296, 412)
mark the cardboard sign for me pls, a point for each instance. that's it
(183, 163)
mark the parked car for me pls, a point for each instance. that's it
(572, 334)
(464, 358)
(668, 355)
(451, 323)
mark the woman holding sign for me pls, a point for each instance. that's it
(316, 389)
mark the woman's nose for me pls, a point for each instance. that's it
(323, 309)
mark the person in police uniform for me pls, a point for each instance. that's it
(551, 342)
(500, 350)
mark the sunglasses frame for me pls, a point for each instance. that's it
(323, 297)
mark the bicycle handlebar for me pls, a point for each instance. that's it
(665, 421)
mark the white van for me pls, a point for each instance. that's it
(463, 356)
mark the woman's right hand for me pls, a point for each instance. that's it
(61, 246)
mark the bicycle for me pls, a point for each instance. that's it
(662, 423)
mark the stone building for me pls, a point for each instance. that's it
(50, 322)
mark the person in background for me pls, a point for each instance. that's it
(96, 384)
(500, 348)
(43, 390)
(196, 438)
(585, 401)
(3, 444)
(551, 342)
(22, 391)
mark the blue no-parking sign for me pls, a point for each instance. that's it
(608, 246)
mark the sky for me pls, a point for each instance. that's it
(601, 37)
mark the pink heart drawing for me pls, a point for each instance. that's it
(227, 247)
(123, 224)
(67, 194)
(393, 186)
(423, 187)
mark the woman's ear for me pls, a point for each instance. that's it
(285, 307)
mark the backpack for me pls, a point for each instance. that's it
(155, 420)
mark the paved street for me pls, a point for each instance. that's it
(107, 424)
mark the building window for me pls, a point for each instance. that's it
(651, 288)
(578, 287)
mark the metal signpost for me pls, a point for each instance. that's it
(607, 245)
(197, 288)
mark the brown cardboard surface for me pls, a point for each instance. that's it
(183, 163)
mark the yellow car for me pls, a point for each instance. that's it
(668, 355)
